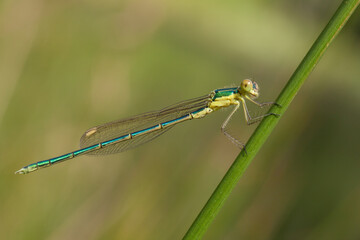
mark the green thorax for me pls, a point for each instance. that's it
(224, 92)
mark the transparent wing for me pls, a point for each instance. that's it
(122, 127)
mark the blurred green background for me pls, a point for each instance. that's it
(66, 66)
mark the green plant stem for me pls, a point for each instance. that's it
(223, 190)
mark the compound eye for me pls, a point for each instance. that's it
(247, 85)
(255, 86)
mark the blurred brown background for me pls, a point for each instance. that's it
(66, 66)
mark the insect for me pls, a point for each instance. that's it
(122, 135)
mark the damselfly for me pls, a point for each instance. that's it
(122, 135)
